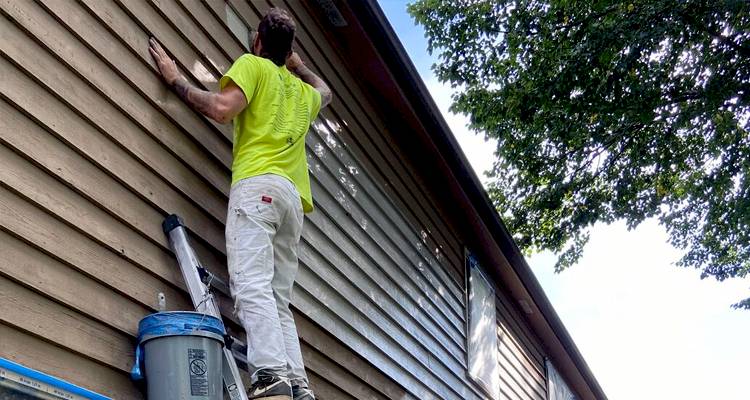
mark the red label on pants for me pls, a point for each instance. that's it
(266, 199)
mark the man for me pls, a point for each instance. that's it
(272, 110)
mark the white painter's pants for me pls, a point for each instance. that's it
(264, 224)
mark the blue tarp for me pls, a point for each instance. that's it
(49, 380)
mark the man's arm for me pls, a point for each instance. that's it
(221, 107)
(296, 66)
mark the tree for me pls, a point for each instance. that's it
(608, 111)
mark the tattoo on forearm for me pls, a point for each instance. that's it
(181, 87)
(197, 99)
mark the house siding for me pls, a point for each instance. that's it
(521, 358)
(95, 152)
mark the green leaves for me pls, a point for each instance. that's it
(608, 111)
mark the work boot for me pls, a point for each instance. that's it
(270, 387)
(302, 393)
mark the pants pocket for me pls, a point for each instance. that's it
(249, 259)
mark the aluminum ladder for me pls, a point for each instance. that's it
(198, 281)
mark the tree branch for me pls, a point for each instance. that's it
(700, 26)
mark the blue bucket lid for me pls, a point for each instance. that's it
(177, 323)
(173, 323)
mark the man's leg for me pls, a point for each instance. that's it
(249, 235)
(286, 243)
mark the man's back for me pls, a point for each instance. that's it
(269, 134)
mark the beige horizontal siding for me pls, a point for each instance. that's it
(23, 348)
(519, 354)
(24, 308)
(95, 151)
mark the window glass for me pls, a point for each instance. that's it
(482, 337)
(556, 386)
(238, 28)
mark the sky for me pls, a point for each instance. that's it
(647, 328)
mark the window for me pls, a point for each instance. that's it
(557, 389)
(482, 330)
(237, 26)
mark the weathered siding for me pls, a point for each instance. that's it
(95, 151)
(520, 355)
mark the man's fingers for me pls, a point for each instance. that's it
(161, 50)
(165, 65)
(153, 44)
(154, 50)
(159, 55)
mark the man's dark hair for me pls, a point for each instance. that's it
(276, 33)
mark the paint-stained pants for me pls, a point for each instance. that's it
(264, 224)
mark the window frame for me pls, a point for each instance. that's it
(549, 366)
(237, 22)
(472, 264)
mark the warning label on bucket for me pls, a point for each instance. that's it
(198, 369)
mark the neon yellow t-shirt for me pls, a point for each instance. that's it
(269, 134)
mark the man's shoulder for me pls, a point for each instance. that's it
(246, 58)
(252, 61)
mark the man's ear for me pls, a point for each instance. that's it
(257, 47)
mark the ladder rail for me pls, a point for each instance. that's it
(202, 298)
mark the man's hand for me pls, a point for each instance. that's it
(295, 65)
(293, 62)
(221, 107)
(167, 66)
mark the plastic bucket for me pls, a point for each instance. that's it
(180, 353)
